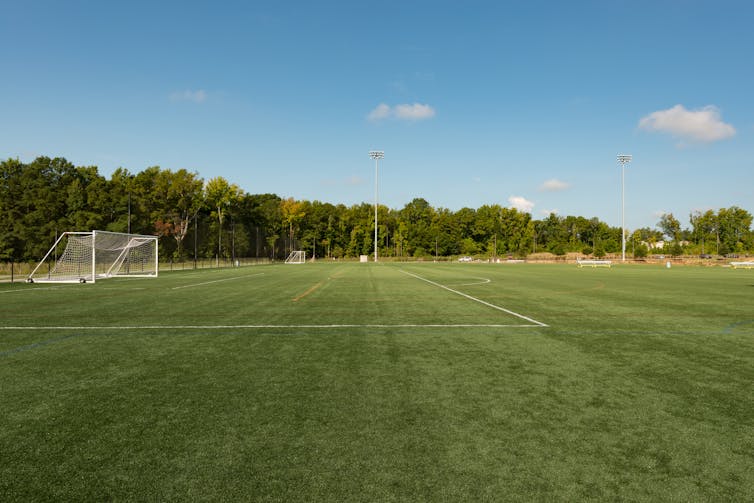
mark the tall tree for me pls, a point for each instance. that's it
(670, 226)
(704, 227)
(735, 229)
(292, 212)
(220, 195)
(181, 195)
(418, 215)
(10, 240)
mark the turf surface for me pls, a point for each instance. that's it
(381, 382)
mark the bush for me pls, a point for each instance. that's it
(558, 250)
(676, 249)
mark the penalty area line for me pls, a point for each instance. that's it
(493, 306)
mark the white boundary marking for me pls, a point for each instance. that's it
(482, 281)
(217, 281)
(493, 306)
(228, 327)
(33, 289)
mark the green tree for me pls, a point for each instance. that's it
(178, 198)
(10, 239)
(292, 212)
(734, 229)
(704, 228)
(418, 216)
(670, 226)
(220, 196)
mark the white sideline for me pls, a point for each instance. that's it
(493, 306)
(229, 327)
(32, 289)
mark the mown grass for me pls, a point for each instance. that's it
(361, 382)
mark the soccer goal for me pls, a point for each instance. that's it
(89, 256)
(296, 257)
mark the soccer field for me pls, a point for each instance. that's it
(381, 382)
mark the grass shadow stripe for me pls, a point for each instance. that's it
(36, 345)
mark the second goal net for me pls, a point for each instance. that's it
(296, 257)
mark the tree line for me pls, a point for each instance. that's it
(196, 219)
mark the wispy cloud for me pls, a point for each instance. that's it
(703, 125)
(198, 96)
(408, 112)
(382, 111)
(355, 180)
(547, 213)
(554, 185)
(414, 112)
(521, 203)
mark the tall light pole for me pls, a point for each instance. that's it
(376, 155)
(623, 159)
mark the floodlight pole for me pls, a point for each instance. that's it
(623, 159)
(376, 155)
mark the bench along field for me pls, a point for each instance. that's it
(377, 382)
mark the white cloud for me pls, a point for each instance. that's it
(381, 112)
(411, 112)
(414, 112)
(355, 180)
(198, 96)
(702, 125)
(546, 213)
(521, 203)
(554, 185)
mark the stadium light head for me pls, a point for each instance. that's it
(624, 158)
(376, 154)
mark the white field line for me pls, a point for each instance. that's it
(482, 281)
(228, 327)
(216, 281)
(493, 306)
(32, 289)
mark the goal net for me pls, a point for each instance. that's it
(296, 257)
(89, 256)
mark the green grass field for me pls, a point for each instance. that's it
(381, 382)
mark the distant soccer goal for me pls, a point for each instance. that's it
(296, 257)
(594, 263)
(89, 256)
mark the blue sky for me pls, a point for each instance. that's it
(523, 104)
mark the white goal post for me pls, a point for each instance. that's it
(296, 257)
(89, 256)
